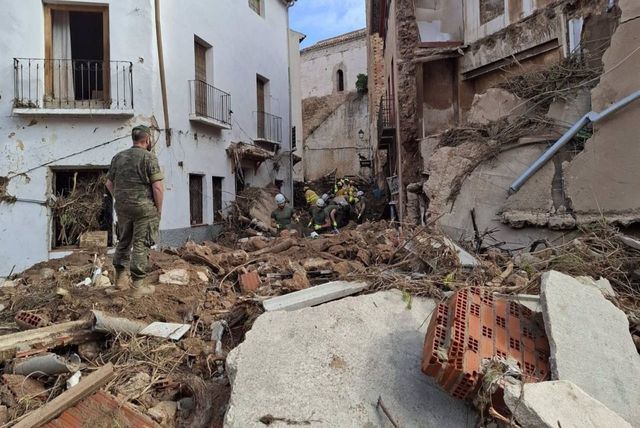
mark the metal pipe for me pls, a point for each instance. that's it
(163, 80)
(591, 117)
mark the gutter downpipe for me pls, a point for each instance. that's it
(591, 117)
(163, 80)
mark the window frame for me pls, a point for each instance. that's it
(216, 195)
(261, 7)
(48, 40)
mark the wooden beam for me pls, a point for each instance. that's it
(69, 398)
(50, 336)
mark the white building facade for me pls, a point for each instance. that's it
(85, 73)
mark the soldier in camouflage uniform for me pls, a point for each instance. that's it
(135, 181)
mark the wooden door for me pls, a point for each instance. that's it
(200, 85)
(195, 198)
(260, 85)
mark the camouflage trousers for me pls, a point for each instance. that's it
(135, 236)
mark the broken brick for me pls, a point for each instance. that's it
(250, 281)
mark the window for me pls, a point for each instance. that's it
(201, 88)
(196, 198)
(217, 198)
(294, 138)
(340, 80)
(490, 10)
(261, 101)
(257, 6)
(71, 220)
(77, 68)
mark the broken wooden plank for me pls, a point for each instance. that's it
(314, 296)
(45, 337)
(69, 398)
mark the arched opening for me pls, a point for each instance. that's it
(340, 81)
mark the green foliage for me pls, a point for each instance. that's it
(362, 84)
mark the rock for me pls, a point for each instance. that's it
(495, 104)
(602, 284)
(202, 276)
(4, 415)
(330, 364)
(103, 281)
(8, 284)
(135, 385)
(558, 404)
(164, 412)
(467, 261)
(175, 277)
(314, 264)
(89, 351)
(47, 273)
(590, 344)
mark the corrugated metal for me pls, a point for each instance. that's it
(98, 409)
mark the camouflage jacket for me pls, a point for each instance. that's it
(132, 172)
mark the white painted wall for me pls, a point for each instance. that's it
(244, 44)
(296, 99)
(320, 65)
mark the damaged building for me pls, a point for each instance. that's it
(465, 97)
(335, 109)
(74, 85)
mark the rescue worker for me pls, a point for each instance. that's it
(136, 183)
(341, 189)
(332, 213)
(318, 216)
(281, 216)
(360, 206)
(310, 196)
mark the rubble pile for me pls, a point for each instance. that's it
(63, 320)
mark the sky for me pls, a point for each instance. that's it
(323, 19)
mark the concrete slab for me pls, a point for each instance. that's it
(590, 344)
(314, 296)
(467, 261)
(558, 404)
(602, 284)
(329, 364)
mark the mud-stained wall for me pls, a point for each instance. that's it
(336, 144)
(333, 119)
(603, 179)
(438, 97)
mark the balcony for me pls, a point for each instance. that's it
(269, 131)
(72, 87)
(209, 105)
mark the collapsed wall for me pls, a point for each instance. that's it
(470, 168)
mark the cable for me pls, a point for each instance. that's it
(88, 149)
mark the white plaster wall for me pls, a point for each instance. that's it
(319, 67)
(296, 99)
(238, 55)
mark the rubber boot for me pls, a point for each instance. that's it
(122, 280)
(141, 290)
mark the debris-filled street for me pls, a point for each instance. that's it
(362, 213)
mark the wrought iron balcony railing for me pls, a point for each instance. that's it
(269, 127)
(386, 114)
(209, 102)
(73, 84)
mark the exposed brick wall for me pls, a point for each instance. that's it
(408, 38)
(376, 75)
